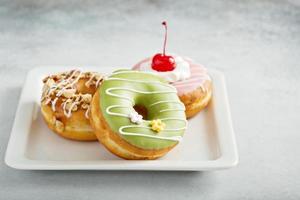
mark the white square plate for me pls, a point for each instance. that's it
(208, 144)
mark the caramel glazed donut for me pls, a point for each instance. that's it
(65, 103)
(193, 84)
(137, 115)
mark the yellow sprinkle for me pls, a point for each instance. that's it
(157, 125)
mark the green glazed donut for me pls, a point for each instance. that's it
(123, 90)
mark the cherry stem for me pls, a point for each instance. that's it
(164, 23)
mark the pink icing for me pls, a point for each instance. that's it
(197, 79)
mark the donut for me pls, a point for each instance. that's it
(65, 103)
(193, 84)
(137, 115)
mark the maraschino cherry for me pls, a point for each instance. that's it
(163, 62)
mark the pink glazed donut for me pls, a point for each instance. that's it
(193, 84)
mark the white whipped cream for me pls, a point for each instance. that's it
(181, 71)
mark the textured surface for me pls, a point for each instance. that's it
(255, 43)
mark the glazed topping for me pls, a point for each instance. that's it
(163, 62)
(62, 87)
(165, 122)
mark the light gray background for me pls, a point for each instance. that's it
(255, 43)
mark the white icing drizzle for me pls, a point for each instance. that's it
(139, 91)
(116, 95)
(63, 85)
(47, 101)
(173, 138)
(70, 84)
(90, 80)
(55, 86)
(108, 92)
(166, 101)
(86, 114)
(74, 72)
(175, 118)
(69, 112)
(172, 109)
(53, 104)
(138, 81)
(60, 92)
(77, 79)
(64, 104)
(98, 82)
(121, 129)
(114, 113)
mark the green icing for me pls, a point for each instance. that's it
(134, 81)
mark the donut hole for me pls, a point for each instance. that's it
(142, 110)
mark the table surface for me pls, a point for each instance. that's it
(255, 43)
